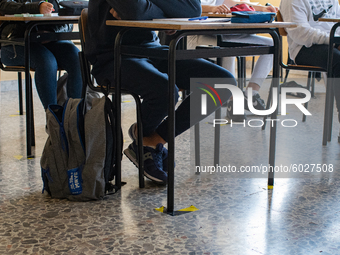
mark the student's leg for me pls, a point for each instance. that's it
(195, 40)
(261, 70)
(66, 54)
(317, 55)
(264, 63)
(140, 76)
(45, 65)
(196, 68)
(151, 83)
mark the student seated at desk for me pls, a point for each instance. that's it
(308, 42)
(147, 77)
(45, 57)
(264, 63)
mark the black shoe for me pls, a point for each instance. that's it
(258, 102)
(231, 116)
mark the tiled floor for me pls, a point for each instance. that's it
(237, 213)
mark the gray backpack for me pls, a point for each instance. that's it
(78, 160)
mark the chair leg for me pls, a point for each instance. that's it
(219, 61)
(313, 85)
(30, 136)
(32, 115)
(269, 101)
(329, 101)
(244, 72)
(310, 79)
(140, 142)
(241, 72)
(21, 108)
(330, 117)
(286, 76)
(217, 138)
(252, 64)
(197, 146)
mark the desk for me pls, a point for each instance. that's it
(185, 29)
(31, 37)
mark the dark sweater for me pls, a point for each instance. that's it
(100, 37)
(17, 30)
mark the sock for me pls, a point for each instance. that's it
(254, 92)
(153, 147)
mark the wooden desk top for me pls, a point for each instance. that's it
(26, 19)
(194, 25)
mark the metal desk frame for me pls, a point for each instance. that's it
(34, 37)
(172, 55)
(329, 101)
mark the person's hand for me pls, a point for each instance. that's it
(222, 9)
(114, 14)
(170, 32)
(270, 8)
(46, 7)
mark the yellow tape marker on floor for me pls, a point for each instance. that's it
(189, 209)
(14, 115)
(126, 101)
(18, 157)
(270, 186)
(160, 209)
(179, 212)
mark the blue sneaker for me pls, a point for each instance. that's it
(153, 163)
(165, 160)
(132, 132)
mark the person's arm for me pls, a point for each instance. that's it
(12, 7)
(297, 11)
(216, 8)
(337, 11)
(152, 9)
(257, 7)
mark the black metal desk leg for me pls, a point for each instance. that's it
(171, 125)
(197, 146)
(329, 94)
(272, 145)
(117, 75)
(28, 88)
(21, 110)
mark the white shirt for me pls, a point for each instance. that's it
(212, 2)
(309, 31)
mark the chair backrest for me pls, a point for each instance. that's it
(283, 32)
(279, 18)
(84, 63)
(83, 26)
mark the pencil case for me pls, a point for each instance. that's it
(252, 17)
